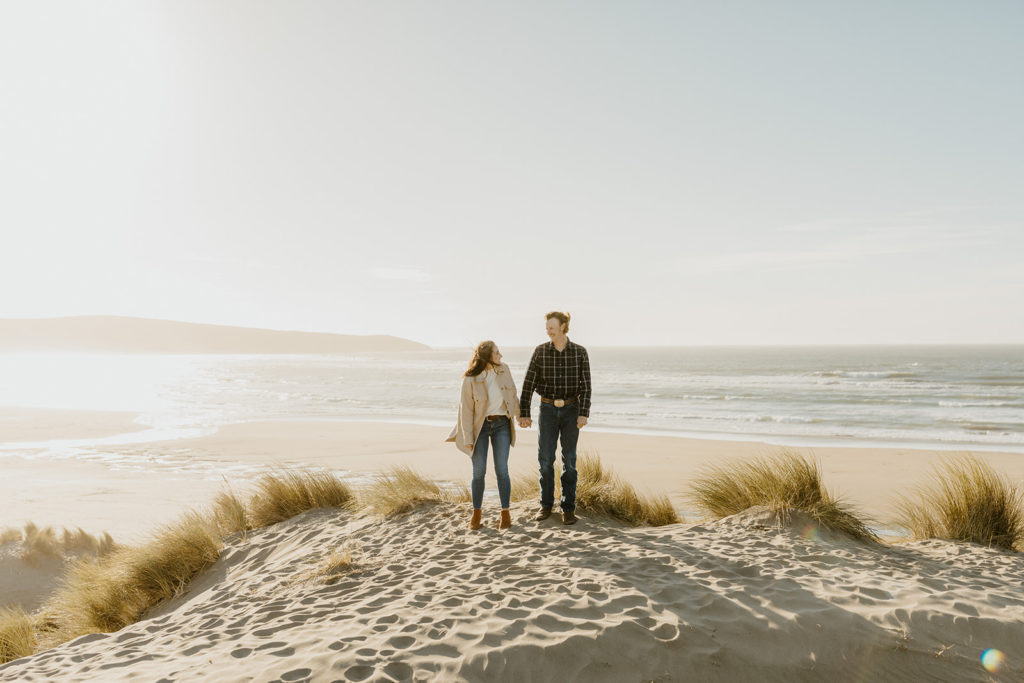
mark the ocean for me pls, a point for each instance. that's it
(947, 397)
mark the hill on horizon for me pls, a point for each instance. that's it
(122, 334)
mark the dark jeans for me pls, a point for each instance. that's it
(558, 424)
(499, 433)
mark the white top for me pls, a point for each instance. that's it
(495, 401)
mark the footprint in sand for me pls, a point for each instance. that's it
(358, 673)
(265, 632)
(398, 671)
(401, 642)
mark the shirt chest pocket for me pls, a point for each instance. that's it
(479, 391)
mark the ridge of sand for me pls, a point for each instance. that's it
(429, 600)
(120, 334)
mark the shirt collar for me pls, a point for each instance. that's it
(568, 343)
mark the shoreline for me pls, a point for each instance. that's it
(130, 487)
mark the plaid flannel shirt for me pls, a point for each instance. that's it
(557, 374)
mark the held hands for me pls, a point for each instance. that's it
(580, 421)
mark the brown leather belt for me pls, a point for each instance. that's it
(558, 402)
(492, 418)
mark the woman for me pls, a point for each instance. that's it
(487, 412)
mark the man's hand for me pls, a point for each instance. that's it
(580, 421)
(525, 422)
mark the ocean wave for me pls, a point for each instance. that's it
(866, 374)
(988, 429)
(785, 419)
(976, 404)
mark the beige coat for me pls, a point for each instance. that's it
(473, 405)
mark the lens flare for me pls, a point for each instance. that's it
(811, 533)
(993, 660)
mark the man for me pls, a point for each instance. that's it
(560, 372)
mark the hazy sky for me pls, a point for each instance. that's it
(669, 172)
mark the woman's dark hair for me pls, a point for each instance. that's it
(560, 317)
(481, 357)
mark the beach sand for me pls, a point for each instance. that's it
(43, 424)
(426, 599)
(128, 489)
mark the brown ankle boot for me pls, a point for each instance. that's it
(474, 521)
(506, 519)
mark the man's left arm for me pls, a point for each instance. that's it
(585, 390)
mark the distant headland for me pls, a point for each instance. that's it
(119, 334)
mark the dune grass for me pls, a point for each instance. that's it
(783, 483)
(400, 489)
(601, 491)
(527, 486)
(230, 514)
(41, 543)
(968, 501)
(17, 634)
(282, 494)
(109, 592)
(10, 535)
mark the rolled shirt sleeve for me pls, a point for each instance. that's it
(529, 384)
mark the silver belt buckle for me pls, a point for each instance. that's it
(559, 403)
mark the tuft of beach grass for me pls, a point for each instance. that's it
(966, 500)
(17, 634)
(601, 491)
(43, 543)
(400, 489)
(282, 493)
(783, 483)
(106, 593)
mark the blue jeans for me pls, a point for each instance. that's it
(558, 424)
(499, 432)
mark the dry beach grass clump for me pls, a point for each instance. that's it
(782, 483)
(40, 543)
(400, 489)
(967, 501)
(17, 634)
(599, 490)
(108, 592)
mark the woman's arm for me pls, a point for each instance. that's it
(466, 409)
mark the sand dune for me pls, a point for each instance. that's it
(733, 600)
(116, 334)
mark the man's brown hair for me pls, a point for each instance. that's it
(563, 318)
